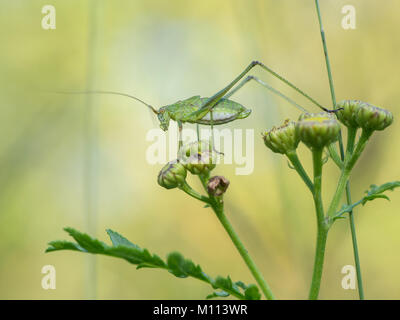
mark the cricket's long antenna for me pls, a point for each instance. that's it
(111, 92)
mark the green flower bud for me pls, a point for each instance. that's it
(323, 114)
(317, 130)
(198, 157)
(373, 118)
(347, 116)
(217, 185)
(282, 139)
(172, 175)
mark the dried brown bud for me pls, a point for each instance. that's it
(217, 185)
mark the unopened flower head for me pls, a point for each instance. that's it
(172, 175)
(373, 118)
(198, 157)
(317, 130)
(282, 139)
(217, 185)
(347, 115)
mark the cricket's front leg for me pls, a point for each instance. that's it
(180, 142)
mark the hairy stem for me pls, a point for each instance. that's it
(322, 228)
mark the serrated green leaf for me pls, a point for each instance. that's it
(374, 189)
(85, 241)
(218, 294)
(240, 284)
(63, 245)
(176, 264)
(252, 293)
(374, 196)
(375, 192)
(117, 239)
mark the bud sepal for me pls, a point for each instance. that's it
(198, 158)
(283, 139)
(172, 175)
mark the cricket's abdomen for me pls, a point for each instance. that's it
(225, 111)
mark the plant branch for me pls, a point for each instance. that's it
(188, 189)
(335, 156)
(294, 159)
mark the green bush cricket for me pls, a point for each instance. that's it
(218, 109)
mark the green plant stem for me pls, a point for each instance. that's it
(348, 193)
(351, 136)
(294, 159)
(219, 211)
(362, 142)
(218, 207)
(335, 156)
(188, 189)
(349, 163)
(328, 65)
(322, 228)
(341, 187)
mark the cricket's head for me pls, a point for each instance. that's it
(163, 117)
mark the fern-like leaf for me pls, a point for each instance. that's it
(175, 263)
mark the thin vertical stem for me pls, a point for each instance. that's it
(350, 147)
(322, 228)
(348, 193)
(91, 142)
(328, 65)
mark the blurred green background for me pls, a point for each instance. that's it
(163, 51)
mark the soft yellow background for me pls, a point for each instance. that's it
(164, 51)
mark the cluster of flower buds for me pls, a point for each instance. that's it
(359, 114)
(199, 158)
(282, 139)
(317, 130)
